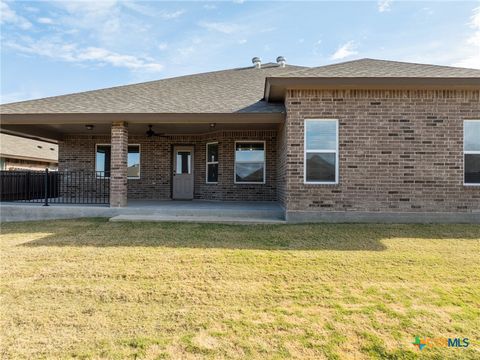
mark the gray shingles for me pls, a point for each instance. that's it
(15, 146)
(228, 91)
(371, 68)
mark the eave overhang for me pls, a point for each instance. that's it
(30, 158)
(140, 118)
(275, 87)
(53, 126)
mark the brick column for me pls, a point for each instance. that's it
(118, 165)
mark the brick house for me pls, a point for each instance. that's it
(18, 153)
(364, 139)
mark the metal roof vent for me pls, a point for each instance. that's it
(281, 61)
(257, 62)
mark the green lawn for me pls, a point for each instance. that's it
(93, 289)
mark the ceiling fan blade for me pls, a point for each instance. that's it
(150, 132)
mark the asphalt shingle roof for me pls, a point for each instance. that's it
(19, 147)
(227, 91)
(238, 90)
(372, 68)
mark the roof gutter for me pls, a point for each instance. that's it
(275, 87)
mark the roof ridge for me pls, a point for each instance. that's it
(417, 63)
(306, 68)
(369, 63)
(396, 62)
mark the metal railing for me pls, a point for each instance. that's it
(57, 187)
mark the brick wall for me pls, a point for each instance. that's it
(400, 151)
(118, 168)
(282, 165)
(77, 152)
(19, 164)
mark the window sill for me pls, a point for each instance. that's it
(319, 183)
(249, 183)
(108, 178)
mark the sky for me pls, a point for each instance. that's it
(57, 47)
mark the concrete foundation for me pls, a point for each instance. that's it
(243, 211)
(380, 217)
(221, 212)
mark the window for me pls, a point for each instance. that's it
(102, 161)
(321, 152)
(250, 162)
(184, 163)
(212, 163)
(133, 169)
(471, 138)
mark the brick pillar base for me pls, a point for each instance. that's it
(118, 165)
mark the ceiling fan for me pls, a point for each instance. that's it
(151, 133)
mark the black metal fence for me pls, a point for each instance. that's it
(58, 187)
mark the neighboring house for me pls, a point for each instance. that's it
(344, 141)
(18, 153)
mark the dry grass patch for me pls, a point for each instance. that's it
(98, 290)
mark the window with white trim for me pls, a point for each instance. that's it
(103, 160)
(212, 163)
(471, 148)
(249, 162)
(321, 151)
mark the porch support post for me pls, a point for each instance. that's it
(118, 165)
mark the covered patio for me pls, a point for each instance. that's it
(248, 212)
(191, 157)
(210, 136)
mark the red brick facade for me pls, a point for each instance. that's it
(118, 177)
(399, 151)
(155, 183)
(19, 164)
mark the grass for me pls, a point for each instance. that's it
(93, 289)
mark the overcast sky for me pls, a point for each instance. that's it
(52, 48)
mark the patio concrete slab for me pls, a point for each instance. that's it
(242, 209)
(197, 219)
(270, 211)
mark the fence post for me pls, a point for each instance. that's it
(26, 191)
(46, 187)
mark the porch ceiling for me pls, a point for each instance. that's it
(58, 131)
